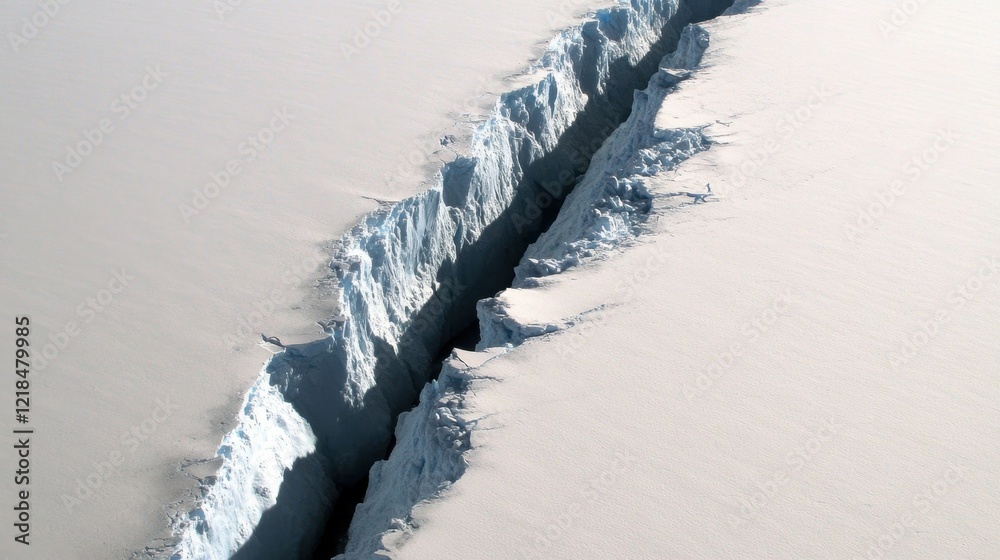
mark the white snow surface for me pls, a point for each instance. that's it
(804, 366)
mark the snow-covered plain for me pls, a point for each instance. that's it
(802, 367)
(805, 366)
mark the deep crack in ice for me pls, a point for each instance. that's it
(410, 275)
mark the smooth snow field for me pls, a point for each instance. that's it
(764, 323)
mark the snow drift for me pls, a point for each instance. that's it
(409, 277)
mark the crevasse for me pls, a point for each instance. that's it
(606, 208)
(321, 414)
(611, 201)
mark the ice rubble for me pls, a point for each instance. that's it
(409, 276)
(609, 203)
(605, 208)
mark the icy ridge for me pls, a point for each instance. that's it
(610, 204)
(433, 438)
(270, 450)
(395, 309)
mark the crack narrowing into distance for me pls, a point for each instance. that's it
(409, 277)
(433, 438)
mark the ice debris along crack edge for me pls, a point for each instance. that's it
(612, 201)
(322, 413)
(606, 208)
